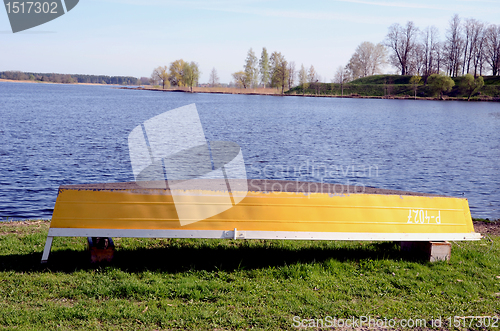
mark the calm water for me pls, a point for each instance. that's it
(62, 134)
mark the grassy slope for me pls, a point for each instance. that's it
(225, 284)
(395, 85)
(382, 79)
(398, 80)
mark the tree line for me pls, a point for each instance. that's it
(469, 47)
(269, 71)
(70, 79)
(272, 71)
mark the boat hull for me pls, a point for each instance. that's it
(262, 214)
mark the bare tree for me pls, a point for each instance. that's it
(473, 46)
(318, 85)
(153, 80)
(312, 76)
(493, 52)
(479, 51)
(214, 78)
(417, 64)
(341, 77)
(467, 44)
(402, 42)
(303, 78)
(454, 46)
(160, 76)
(367, 60)
(414, 81)
(291, 74)
(430, 51)
(439, 53)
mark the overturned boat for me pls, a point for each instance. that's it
(258, 209)
(187, 187)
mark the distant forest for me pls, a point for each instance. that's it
(71, 79)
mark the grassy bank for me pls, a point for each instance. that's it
(175, 284)
(218, 90)
(390, 86)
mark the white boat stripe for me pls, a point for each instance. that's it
(290, 235)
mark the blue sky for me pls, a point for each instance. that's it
(131, 37)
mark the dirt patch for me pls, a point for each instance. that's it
(20, 226)
(22, 223)
(488, 228)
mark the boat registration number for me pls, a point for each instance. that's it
(420, 216)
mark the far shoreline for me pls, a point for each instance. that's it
(40, 82)
(259, 91)
(224, 90)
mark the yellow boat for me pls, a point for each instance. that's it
(257, 209)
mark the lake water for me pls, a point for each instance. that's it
(66, 134)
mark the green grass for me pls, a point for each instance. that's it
(195, 284)
(382, 79)
(397, 86)
(491, 80)
(405, 80)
